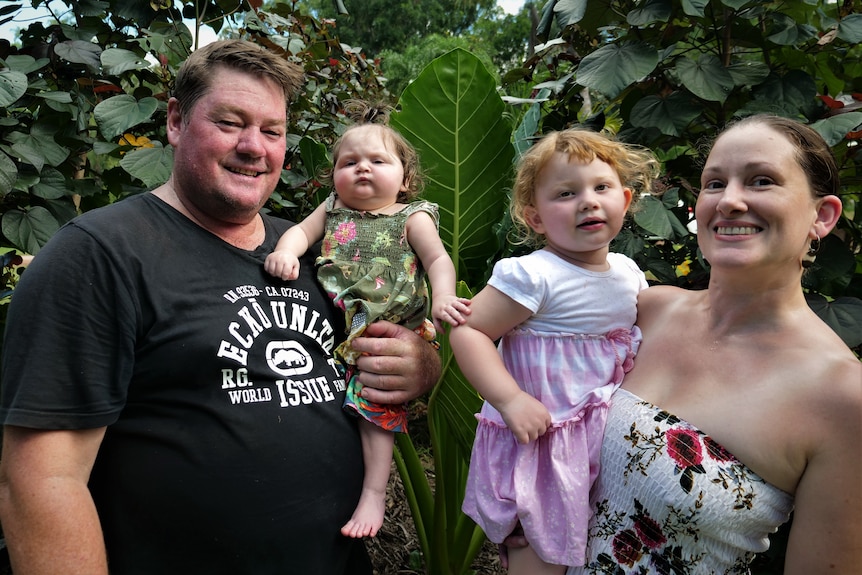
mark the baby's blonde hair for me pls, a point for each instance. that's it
(636, 166)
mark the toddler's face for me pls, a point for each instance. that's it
(579, 208)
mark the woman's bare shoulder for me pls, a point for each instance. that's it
(663, 299)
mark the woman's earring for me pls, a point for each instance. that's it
(811, 255)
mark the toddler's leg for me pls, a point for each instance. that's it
(377, 446)
(524, 561)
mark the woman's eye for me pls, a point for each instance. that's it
(762, 181)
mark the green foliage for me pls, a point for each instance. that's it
(453, 115)
(375, 25)
(669, 74)
(400, 68)
(83, 108)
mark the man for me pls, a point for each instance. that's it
(169, 408)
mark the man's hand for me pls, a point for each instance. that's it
(396, 364)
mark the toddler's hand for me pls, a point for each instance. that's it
(451, 309)
(526, 417)
(282, 264)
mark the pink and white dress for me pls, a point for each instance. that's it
(571, 355)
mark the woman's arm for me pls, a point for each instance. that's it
(826, 535)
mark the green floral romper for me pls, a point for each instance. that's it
(371, 272)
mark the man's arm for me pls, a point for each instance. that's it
(48, 516)
(399, 365)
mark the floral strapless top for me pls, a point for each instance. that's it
(669, 499)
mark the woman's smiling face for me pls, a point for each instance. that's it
(756, 204)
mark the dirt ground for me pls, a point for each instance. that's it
(395, 549)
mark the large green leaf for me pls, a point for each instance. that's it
(29, 229)
(844, 315)
(850, 28)
(835, 128)
(671, 114)
(79, 52)
(116, 115)
(115, 61)
(150, 165)
(52, 185)
(8, 174)
(694, 7)
(614, 67)
(794, 90)
(705, 77)
(648, 12)
(38, 147)
(12, 86)
(454, 117)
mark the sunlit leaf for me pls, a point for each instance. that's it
(115, 61)
(453, 115)
(25, 63)
(150, 165)
(116, 115)
(835, 128)
(850, 28)
(79, 52)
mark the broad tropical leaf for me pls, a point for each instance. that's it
(454, 117)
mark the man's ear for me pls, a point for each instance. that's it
(174, 122)
(534, 220)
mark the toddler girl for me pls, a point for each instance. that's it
(566, 316)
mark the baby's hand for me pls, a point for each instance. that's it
(526, 417)
(282, 264)
(451, 309)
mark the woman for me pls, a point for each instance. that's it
(760, 402)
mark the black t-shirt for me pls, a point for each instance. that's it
(227, 450)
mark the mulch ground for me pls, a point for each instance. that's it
(395, 550)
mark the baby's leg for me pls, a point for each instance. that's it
(524, 561)
(377, 446)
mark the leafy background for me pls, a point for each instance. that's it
(83, 103)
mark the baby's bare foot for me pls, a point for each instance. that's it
(368, 515)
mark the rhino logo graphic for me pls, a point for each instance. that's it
(288, 358)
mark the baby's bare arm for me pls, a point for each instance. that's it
(446, 305)
(283, 262)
